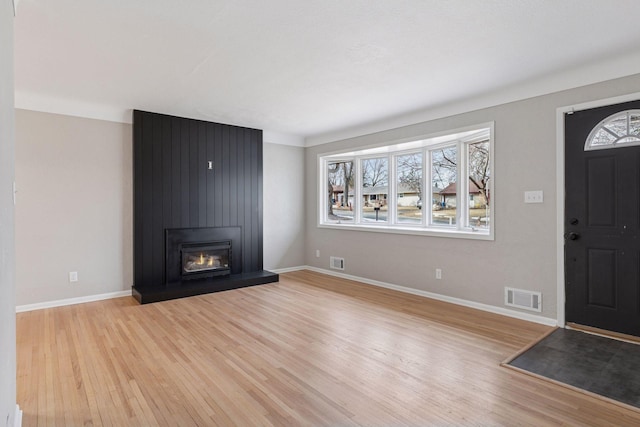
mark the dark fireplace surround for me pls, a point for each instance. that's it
(197, 190)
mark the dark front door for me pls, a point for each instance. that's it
(602, 221)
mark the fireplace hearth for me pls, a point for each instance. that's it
(200, 261)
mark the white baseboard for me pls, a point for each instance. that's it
(458, 301)
(71, 301)
(17, 418)
(289, 269)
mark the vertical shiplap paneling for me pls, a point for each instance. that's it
(157, 237)
(184, 173)
(242, 183)
(147, 198)
(167, 176)
(247, 200)
(174, 189)
(218, 173)
(138, 192)
(226, 159)
(210, 193)
(202, 173)
(193, 175)
(236, 139)
(176, 177)
(256, 217)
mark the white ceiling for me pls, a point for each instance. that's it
(309, 68)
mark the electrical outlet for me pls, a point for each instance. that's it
(317, 253)
(438, 273)
(73, 276)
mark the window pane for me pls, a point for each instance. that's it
(443, 179)
(375, 188)
(340, 191)
(634, 124)
(602, 137)
(409, 189)
(618, 125)
(479, 175)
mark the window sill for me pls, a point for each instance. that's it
(398, 229)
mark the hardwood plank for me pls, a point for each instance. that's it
(308, 350)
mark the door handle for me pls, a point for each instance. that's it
(573, 236)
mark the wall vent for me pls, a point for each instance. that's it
(519, 298)
(336, 263)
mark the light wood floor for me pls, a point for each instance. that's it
(309, 350)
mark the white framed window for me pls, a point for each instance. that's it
(439, 185)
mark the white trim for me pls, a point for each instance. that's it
(74, 108)
(110, 113)
(17, 417)
(560, 312)
(458, 301)
(560, 112)
(15, 7)
(71, 301)
(271, 137)
(417, 230)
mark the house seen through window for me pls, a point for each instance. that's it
(436, 185)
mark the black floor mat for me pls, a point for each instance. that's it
(600, 365)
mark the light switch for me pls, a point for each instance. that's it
(533, 196)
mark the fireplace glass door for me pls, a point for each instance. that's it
(205, 260)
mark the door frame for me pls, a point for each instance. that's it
(560, 189)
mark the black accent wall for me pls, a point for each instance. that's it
(174, 187)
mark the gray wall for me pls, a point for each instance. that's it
(283, 179)
(74, 213)
(7, 253)
(523, 254)
(74, 179)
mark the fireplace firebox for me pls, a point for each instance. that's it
(205, 260)
(202, 253)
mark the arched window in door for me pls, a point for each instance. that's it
(618, 130)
